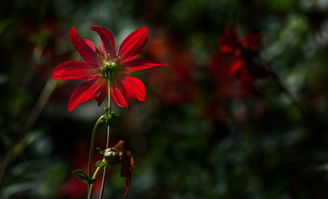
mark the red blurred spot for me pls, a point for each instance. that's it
(74, 188)
(176, 84)
(242, 52)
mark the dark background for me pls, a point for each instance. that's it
(186, 142)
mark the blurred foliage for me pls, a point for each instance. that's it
(186, 143)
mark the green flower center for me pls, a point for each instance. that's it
(110, 70)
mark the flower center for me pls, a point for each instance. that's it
(109, 69)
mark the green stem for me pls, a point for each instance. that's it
(107, 142)
(92, 144)
(94, 176)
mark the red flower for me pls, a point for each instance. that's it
(106, 65)
(177, 84)
(242, 51)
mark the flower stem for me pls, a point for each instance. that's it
(107, 142)
(94, 176)
(92, 144)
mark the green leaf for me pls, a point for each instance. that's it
(83, 177)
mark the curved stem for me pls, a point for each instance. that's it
(92, 144)
(94, 176)
(41, 102)
(21, 142)
(107, 143)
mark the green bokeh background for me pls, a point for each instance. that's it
(263, 147)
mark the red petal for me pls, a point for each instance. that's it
(235, 67)
(87, 91)
(134, 88)
(127, 163)
(74, 70)
(91, 45)
(83, 47)
(229, 41)
(102, 94)
(107, 41)
(141, 64)
(119, 94)
(227, 48)
(126, 189)
(133, 44)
